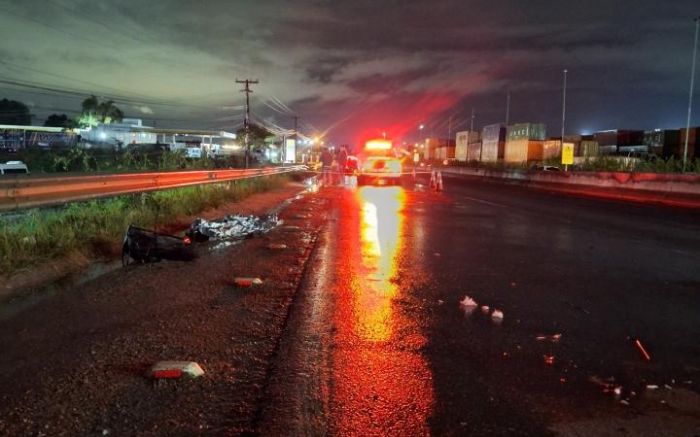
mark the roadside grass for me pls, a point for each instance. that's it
(95, 228)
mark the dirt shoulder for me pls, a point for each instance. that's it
(74, 363)
(73, 265)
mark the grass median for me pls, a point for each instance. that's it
(95, 228)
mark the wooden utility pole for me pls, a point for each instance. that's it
(246, 122)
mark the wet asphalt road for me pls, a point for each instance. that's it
(378, 344)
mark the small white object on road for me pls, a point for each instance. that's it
(497, 316)
(176, 369)
(247, 282)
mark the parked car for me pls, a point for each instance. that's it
(14, 167)
(545, 168)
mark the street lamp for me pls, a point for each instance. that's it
(690, 97)
(563, 109)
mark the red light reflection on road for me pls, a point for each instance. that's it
(381, 383)
(380, 241)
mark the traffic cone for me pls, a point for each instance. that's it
(433, 180)
(439, 186)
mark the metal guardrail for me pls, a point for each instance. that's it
(27, 192)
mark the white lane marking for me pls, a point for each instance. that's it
(474, 199)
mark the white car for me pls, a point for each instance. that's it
(14, 167)
(381, 170)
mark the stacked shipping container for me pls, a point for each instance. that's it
(493, 140)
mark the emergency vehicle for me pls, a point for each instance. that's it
(379, 164)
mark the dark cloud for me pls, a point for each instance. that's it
(352, 67)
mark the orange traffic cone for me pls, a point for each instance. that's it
(439, 186)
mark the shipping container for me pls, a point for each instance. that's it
(588, 149)
(474, 152)
(522, 151)
(551, 149)
(661, 142)
(693, 136)
(526, 131)
(462, 140)
(619, 141)
(493, 140)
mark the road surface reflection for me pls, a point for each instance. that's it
(381, 383)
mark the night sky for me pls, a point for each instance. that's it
(354, 69)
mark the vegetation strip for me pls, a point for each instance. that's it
(95, 228)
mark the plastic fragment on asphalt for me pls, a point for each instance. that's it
(497, 316)
(176, 369)
(247, 282)
(652, 387)
(668, 387)
(277, 246)
(624, 402)
(468, 302)
(468, 305)
(642, 350)
(553, 338)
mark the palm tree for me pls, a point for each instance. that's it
(95, 112)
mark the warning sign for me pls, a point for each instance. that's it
(567, 154)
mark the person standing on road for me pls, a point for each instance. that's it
(326, 164)
(342, 163)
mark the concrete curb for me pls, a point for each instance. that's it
(668, 189)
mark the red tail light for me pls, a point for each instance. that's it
(187, 241)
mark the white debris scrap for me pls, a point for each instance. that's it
(497, 316)
(231, 226)
(468, 302)
(176, 369)
(468, 305)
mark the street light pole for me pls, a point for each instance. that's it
(690, 97)
(563, 109)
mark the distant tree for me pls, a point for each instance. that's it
(14, 112)
(95, 112)
(58, 120)
(257, 135)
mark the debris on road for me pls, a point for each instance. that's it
(144, 245)
(231, 226)
(485, 309)
(555, 338)
(468, 305)
(277, 246)
(175, 369)
(247, 282)
(642, 350)
(497, 316)
(549, 359)
(652, 387)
